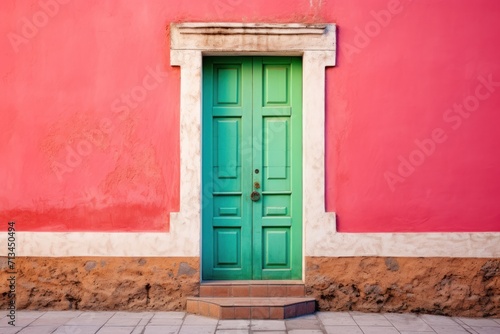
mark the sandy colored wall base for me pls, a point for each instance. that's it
(103, 283)
(449, 286)
(445, 286)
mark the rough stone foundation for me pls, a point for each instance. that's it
(102, 283)
(444, 286)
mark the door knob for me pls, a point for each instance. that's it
(255, 196)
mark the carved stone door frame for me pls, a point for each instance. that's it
(316, 45)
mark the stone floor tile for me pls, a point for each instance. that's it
(10, 330)
(336, 319)
(30, 314)
(268, 325)
(162, 322)
(48, 321)
(5, 324)
(480, 322)
(331, 314)
(379, 330)
(38, 330)
(139, 315)
(199, 329)
(233, 324)
(60, 314)
(77, 322)
(437, 320)
(268, 332)
(162, 330)
(400, 316)
(302, 324)
(86, 317)
(144, 322)
(170, 315)
(407, 322)
(486, 330)
(116, 330)
(197, 320)
(343, 330)
(356, 313)
(444, 329)
(139, 330)
(18, 323)
(24, 318)
(88, 320)
(122, 321)
(77, 330)
(306, 317)
(371, 320)
(412, 326)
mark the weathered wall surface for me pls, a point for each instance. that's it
(444, 286)
(409, 116)
(89, 136)
(103, 283)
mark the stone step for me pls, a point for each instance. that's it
(252, 289)
(251, 307)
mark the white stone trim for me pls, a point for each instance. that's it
(225, 28)
(329, 243)
(316, 44)
(252, 37)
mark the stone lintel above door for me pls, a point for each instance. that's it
(261, 38)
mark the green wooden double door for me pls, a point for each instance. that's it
(252, 168)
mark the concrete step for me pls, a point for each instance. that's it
(251, 307)
(268, 288)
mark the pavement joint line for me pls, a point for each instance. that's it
(325, 322)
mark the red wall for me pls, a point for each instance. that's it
(90, 111)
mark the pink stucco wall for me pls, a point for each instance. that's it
(89, 129)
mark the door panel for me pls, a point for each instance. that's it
(252, 139)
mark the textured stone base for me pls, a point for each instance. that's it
(102, 283)
(444, 286)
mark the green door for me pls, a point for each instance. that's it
(252, 168)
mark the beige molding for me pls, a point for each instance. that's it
(253, 37)
(250, 28)
(317, 51)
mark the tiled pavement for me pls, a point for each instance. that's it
(75, 322)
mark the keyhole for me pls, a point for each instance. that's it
(256, 171)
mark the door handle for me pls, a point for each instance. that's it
(255, 196)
